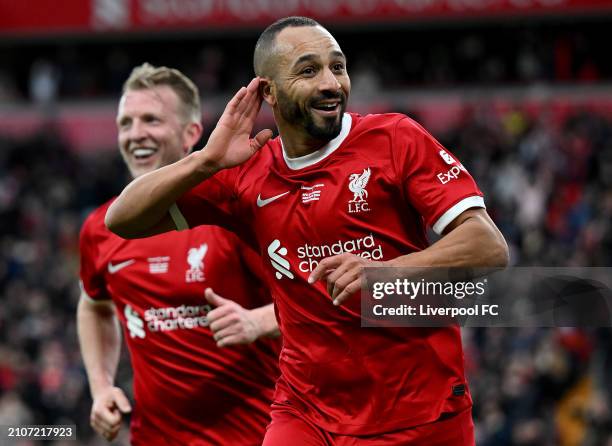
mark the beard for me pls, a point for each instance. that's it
(327, 130)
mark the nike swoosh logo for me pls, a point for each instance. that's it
(114, 268)
(261, 203)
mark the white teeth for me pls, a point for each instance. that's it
(327, 106)
(139, 153)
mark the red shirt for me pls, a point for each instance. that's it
(370, 191)
(187, 391)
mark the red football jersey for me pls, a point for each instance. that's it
(187, 391)
(371, 191)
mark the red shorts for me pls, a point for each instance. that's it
(288, 427)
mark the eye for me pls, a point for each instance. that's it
(151, 119)
(309, 71)
(338, 67)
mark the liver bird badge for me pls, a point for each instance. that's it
(357, 185)
(195, 257)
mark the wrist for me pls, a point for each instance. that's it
(100, 386)
(257, 323)
(205, 166)
(406, 261)
(264, 321)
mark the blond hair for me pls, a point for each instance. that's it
(147, 76)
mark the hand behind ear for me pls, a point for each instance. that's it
(230, 144)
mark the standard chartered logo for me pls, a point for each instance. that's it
(310, 255)
(183, 317)
(135, 324)
(279, 263)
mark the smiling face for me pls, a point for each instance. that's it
(153, 129)
(310, 85)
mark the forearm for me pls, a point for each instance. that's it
(266, 321)
(142, 208)
(476, 241)
(471, 240)
(144, 203)
(100, 340)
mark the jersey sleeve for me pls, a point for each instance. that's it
(433, 180)
(91, 273)
(212, 202)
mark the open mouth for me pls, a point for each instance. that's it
(142, 153)
(327, 108)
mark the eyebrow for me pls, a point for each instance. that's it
(337, 53)
(312, 56)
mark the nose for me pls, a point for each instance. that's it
(137, 131)
(329, 81)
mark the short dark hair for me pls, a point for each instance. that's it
(265, 44)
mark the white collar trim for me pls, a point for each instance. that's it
(329, 148)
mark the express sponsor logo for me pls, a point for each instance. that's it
(452, 173)
(446, 157)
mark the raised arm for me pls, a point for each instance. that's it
(142, 208)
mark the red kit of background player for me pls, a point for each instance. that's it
(199, 392)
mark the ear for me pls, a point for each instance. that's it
(191, 135)
(267, 87)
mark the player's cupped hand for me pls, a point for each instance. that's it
(343, 274)
(230, 323)
(107, 412)
(230, 143)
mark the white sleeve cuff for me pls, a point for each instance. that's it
(454, 212)
(177, 217)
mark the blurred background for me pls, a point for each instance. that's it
(519, 90)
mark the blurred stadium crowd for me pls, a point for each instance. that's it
(547, 184)
(510, 53)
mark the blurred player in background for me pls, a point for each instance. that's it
(363, 185)
(187, 390)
